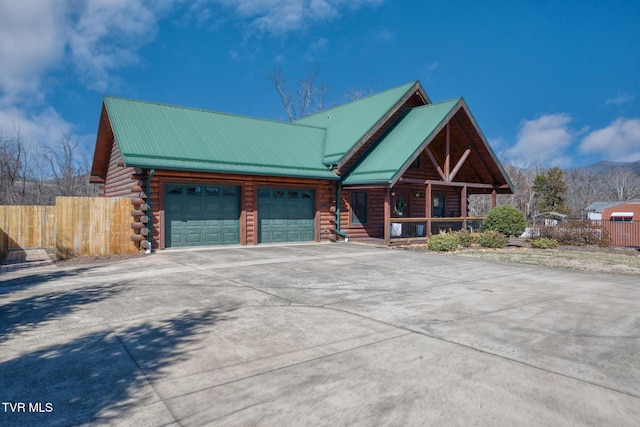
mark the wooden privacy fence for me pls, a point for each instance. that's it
(75, 226)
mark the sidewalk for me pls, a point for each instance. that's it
(18, 259)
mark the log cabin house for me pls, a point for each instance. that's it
(392, 166)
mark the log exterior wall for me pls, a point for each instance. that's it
(375, 221)
(119, 179)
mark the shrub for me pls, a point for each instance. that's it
(464, 237)
(443, 242)
(492, 239)
(576, 233)
(544, 243)
(506, 219)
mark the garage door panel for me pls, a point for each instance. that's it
(278, 236)
(201, 215)
(212, 239)
(306, 235)
(285, 215)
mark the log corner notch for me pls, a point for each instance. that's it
(139, 212)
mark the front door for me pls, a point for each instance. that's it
(400, 205)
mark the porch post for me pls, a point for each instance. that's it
(427, 208)
(447, 161)
(493, 198)
(463, 206)
(387, 216)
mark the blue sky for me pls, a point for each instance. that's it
(549, 82)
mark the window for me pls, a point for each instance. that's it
(264, 193)
(229, 191)
(212, 191)
(359, 207)
(622, 218)
(174, 190)
(415, 164)
(194, 191)
(437, 208)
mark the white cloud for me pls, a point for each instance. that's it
(316, 49)
(278, 17)
(429, 71)
(620, 99)
(90, 38)
(620, 141)
(107, 35)
(44, 127)
(31, 42)
(95, 36)
(543, 140)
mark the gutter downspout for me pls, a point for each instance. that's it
(338, 232)
(148, 192)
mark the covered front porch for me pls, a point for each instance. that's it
(423, 188)
(415, 210)
(410, 211)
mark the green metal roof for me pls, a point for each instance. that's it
(396, 148)
(348, 123)
(153, 135)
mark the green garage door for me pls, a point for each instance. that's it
(285, 215)
(199, 215)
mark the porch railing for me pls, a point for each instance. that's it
(416, 228)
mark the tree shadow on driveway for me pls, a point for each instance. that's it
(95, 378)
(38, 278)
(27, 313)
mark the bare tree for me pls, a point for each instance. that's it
(307, 98)
(70, 174)
(354, 94)
(38, 175)
(584, 188)
(479, 204)
(622, 184)
(11, 167)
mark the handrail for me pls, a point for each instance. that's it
(413, 228)
(435, 219)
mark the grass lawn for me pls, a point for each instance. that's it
(600, 260)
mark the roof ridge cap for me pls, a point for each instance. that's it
(409, 84)
(202, 110)
(433, 104)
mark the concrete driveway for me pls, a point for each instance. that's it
(318, 334)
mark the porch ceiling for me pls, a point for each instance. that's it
(480, 167)
(423, 130)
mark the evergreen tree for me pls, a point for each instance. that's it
(551, 191)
